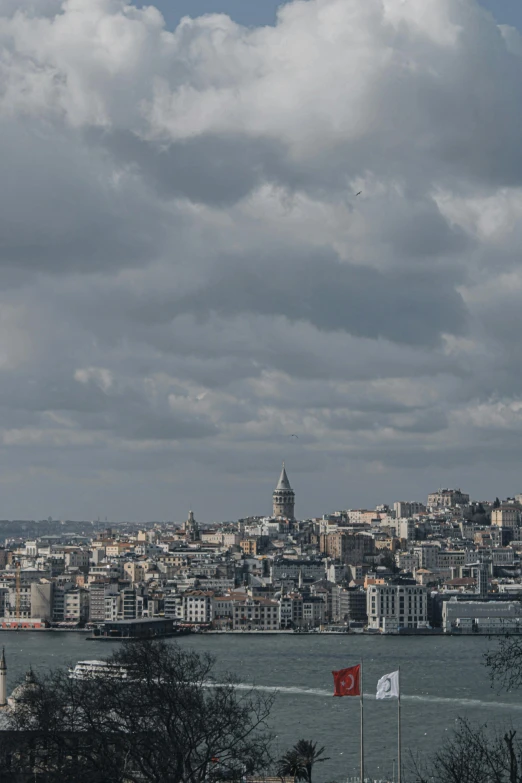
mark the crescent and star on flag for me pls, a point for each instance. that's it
(347, 683)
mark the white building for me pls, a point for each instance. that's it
(394, 606)
(197, 607)
(405, 529)
(483, 617)
(410, 508)
(76, 605)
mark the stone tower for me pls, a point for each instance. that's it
(3, 683)
(191, 528)
(283, 497)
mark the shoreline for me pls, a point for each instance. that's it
(437, 633)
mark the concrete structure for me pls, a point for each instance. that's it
(447, 498)
(42, 600)
(76, 606)
(283, 497)
(197, 607)
(293, 569)
(255, 614)
(191, 528)
(406, 509)
(391, 607)
(451, 558)
(3, 681)
(97, 595)
(347, 547)
(506, 515)
(134, 571)
(405, 529)
(427, 555)
(291, 611)
(481, 617)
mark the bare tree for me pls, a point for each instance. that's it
(505, 663)
(167, 722)
(473, 755)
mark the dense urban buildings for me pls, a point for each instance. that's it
(449, 565)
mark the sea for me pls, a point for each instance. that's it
(442, 679)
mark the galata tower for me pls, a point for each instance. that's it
(283, 497)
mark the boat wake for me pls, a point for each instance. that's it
(471, 703)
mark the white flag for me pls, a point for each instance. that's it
(388, 686)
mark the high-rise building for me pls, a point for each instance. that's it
(283, 497)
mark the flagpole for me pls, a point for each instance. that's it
(362, 724)
(399, 743)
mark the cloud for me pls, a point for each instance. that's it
(188, 274)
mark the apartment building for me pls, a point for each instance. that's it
(255, 614)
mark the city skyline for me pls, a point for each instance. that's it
(223, 232)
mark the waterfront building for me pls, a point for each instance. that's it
(291, 611)
(283, 497)
(76, 606)
(173, 606)
(349, 604)
(391, 607)
(481, 617)
(222, 612)
(197, 607)
(98, 591)
(41, 599)
(314, 611)
(255, 614)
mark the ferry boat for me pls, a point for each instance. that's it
(87, 669)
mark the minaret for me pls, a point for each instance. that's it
(283, 497)
(3, 681)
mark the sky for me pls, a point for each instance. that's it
(221, 230)
(264, 12)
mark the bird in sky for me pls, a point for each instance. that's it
(294, 436)
(359, 193)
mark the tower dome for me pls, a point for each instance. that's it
(283, 497)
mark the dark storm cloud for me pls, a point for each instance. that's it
(187, 274)
(62, 209)
(217, 170)
(407, 308)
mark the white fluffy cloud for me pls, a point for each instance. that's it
(189, 276)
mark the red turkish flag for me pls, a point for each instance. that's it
(347, 681)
